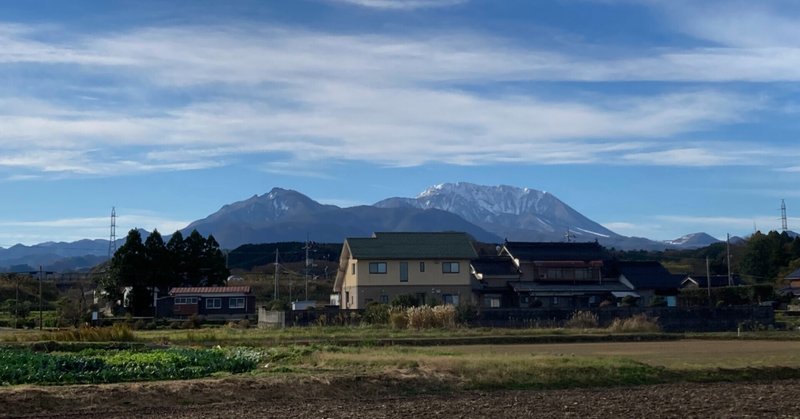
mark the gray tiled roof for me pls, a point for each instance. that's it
(413, 246)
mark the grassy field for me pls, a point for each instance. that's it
(540, 358)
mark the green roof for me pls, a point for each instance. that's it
(413, 246)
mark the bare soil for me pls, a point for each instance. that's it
(349, 397)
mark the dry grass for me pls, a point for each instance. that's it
(583, 320)
(639, 323)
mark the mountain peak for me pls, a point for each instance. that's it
(693, 240)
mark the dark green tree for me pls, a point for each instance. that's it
(128, 269)
(214, 263)
(176, 248)
(195, 250)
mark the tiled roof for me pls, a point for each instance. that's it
(495, 266)
(717, 281)
(649, 275)
(413, 246)
(794, 275)
(555, 251)
(567, 289)
(210, 290)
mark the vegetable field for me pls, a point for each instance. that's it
(24, 366)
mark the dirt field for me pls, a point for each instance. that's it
(265, 398)
(339, 395)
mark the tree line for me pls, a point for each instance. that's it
(144, 266)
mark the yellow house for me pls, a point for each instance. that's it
(429, 266)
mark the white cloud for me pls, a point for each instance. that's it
(73, 229)
(403, 4)
(385, 99)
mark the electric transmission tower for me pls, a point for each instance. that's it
(112, 238)
(784, 221)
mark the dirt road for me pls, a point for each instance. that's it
(316, 398)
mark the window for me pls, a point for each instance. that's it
(377, 267)
(236, 302)
(450, 267)
(450, 299)
(555, 301)
(185, 300)
(213, 303)
(384, 299)
(491, 301)
(354, 269)
(582, 274)
(554, 274)
(422, 266)
(403, 271)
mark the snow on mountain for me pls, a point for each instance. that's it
(692, 241)
(511, 212)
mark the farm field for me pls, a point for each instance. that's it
(640, 379)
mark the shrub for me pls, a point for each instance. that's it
(243, 324)
(138, 324)
(465, 313)
(606, 303)
(376, 313)
(639, 323)
(582, 320)
(629, 301)
(658, 301)
(398, 317)
(405, 300)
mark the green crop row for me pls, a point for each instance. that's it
(24, 366)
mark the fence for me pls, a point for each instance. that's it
(700, 319)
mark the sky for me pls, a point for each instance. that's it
(653, 118)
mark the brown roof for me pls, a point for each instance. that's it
(210, 290)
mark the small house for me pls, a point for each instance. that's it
(215, 303)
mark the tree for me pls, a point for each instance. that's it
(128, 269)
(214, 262)
(176, 247)
(195, 248)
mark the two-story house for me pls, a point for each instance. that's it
(429, 266)
(562, 275)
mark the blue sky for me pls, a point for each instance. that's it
(654, 118)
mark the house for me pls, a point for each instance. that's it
(429, 266)
(562, 275)
(794, 284)
(492, 274)
(717, 281)
(649, 279)
(215, 303)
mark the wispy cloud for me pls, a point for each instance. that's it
(394, 100)
(72, 229)
(403, 4)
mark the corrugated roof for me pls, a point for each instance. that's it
(413, 246)
(555, 251)
(210, 290)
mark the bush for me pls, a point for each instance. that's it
(658, 301)
(138, 324)
(629, 301)
(582, 320)
(398, 317)
(639, 323)
(465, 313)
(376, 313)
(405, 300)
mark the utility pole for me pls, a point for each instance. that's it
(40, 296)
(306, 272)
(275, 294)
(728, 251)
(708, 281)
(16, 305)
(784, 223)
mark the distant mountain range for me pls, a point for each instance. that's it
(489, 213)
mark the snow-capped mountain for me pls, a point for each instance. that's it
(692, 241)
(510, 212)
